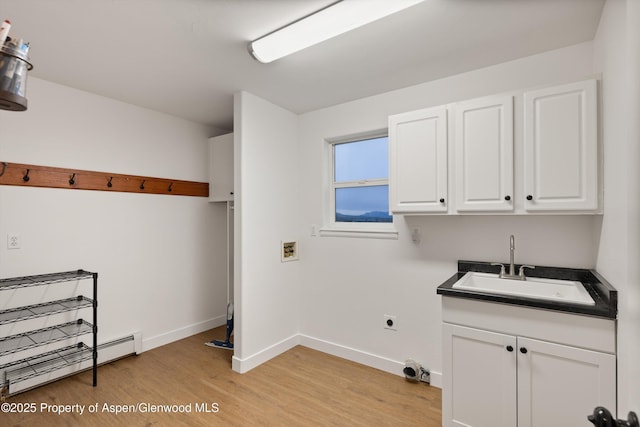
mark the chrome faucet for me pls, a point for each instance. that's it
(512, 268)
(512, 249)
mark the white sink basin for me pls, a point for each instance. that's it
(533, 287)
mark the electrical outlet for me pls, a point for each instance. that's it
(13, 241)
(390, 322)
(289, 251)
(416, 235)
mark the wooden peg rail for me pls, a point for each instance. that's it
(50, 177)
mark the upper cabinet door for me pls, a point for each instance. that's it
(418, 161)
(484, 154)
(221, 168)
(561, 148)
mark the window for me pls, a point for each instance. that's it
(359, 185)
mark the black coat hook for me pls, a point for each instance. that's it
(170, 185)
(4, 168)
(109, 184)
(72, 179)
(26, 178)
(142, 184)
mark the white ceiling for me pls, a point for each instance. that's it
(188, 57)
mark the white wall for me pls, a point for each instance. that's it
(349, 284)
(266, 208)
(160, 259)
(617, 50)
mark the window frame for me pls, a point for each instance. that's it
(383, 230)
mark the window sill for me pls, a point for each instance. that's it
(362, 233)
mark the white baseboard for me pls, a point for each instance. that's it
(184, 332)
(436, 379)
(362, 357)
(133, 344)
(248, 363)
(344, 352)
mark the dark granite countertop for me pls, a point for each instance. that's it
(604, 295)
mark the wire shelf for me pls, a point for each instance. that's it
(44, 279)
(39, 337)
(44, 309)
(49, 361)
(31, 367)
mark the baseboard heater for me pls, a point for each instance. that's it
(119, 348)
(107, 352)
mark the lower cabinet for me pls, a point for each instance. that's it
(494, 379)
(479, 375)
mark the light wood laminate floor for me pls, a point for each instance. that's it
(301, 387)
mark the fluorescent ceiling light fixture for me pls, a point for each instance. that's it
(336, 19)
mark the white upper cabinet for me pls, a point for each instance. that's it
(418, 161)
(546, 163)
(561, 148)
(484, 154)
(221, 168)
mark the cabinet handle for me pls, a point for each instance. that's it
(442, 200)
(507, 198)
(523, 350)
(509, 348)
(529, 197)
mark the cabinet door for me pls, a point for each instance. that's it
(560, 148)
(484, 154)
(221, 168)
(418, 161)
(560, 385)
(479, 378)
